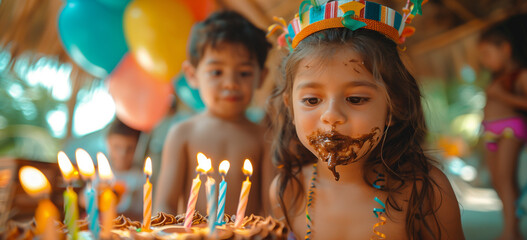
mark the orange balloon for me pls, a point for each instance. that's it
(200, 8)
(141, 100)
(157, 32)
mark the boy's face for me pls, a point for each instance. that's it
(339, 110)
(226, 77)
(492, 56)
(121, 150)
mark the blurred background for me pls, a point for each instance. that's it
(69, 67)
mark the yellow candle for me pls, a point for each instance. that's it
(71, 212)
(147, 196)
(108, 199)
(244, 194)
(36, 185)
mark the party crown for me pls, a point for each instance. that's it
(317, 15)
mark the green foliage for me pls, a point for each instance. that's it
(24, 131)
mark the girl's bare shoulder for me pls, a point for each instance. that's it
(443, 203)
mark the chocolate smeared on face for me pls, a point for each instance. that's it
(337, 149)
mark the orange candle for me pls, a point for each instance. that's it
(108, 201)
(147, 195)
(36, 185)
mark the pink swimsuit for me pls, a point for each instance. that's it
(507, 127)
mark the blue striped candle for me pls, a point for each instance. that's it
(91, 209)
(211, 204)
(221, 202)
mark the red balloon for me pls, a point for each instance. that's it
(141, 100)
(200, 9)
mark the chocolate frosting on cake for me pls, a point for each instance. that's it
(253, 227)
(122, 222)
(27, 230)
(257, 227)
(162, 219)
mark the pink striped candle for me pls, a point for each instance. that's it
(204, 165)
(191, 206)
(244, 194)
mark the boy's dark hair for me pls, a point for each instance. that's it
(118, 127)
(512, 30)
(229, 27)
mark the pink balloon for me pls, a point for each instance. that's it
(141, 100)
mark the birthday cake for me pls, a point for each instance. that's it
(168, 226)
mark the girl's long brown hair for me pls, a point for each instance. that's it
(399, 155)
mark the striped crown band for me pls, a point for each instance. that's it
(317, 15)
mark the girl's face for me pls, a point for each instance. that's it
(493, 56)
(339, 110)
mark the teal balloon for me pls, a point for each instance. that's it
(116, 4)
(92, 34)
(187, 94)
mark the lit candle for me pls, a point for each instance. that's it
(108, 198)
(194, 191)
(223, 169)
(71, 212)
(147, 195)
(244, 194)
(36, 185)
(87, 171)
(211, 197)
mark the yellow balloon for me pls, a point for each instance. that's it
(156, 33)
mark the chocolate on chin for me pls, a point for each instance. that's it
(338, 149)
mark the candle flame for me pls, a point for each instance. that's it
(224, 167)
(66, 168)
(247, 168)
(85, 164)
(105, 171)
(204, 163)
(148, 166)
(33, 181)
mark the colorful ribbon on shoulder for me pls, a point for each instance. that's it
(379, 184)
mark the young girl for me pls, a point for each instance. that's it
(503, 51)
(349, 127)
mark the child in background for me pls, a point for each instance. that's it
(226, 63)
(122, 143)
(349, 129)
(503, 51)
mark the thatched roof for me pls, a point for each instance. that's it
(29, 28)
(445, 32)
